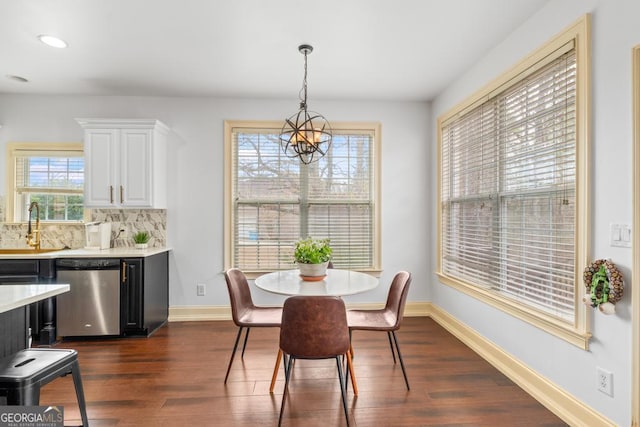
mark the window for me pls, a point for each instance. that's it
(50, 174)
(512, 191)
(273, 200)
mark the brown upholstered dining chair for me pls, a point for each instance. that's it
(245, 314)
(315, 327)
(387, 319)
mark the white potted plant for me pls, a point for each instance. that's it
(141, 239)
(312, 256)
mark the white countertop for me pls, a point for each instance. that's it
(89, 253)
(19, 295)
(108, 253)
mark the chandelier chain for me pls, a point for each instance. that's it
(303, 92)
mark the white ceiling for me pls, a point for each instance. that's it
(363, 49)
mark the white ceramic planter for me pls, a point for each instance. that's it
(313, 270)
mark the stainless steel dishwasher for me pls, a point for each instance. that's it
(92, 305)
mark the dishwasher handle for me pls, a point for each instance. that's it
(88, 264)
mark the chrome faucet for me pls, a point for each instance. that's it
(33, 235)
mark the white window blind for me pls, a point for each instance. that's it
(276, 199)
(53, 178)
(508, 189)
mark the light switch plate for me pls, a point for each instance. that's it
(620, 235)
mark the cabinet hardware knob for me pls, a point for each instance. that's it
(124, 272)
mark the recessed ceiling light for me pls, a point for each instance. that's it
(52, 41)
(17, 78)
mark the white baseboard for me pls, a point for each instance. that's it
(564, 405)
(199, 313)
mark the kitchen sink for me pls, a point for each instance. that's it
(27, 251)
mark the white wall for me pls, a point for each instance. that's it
(615, 30)
(195, 175)
(195, 189)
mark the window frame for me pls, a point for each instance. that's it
(635, 296)
(369, 127)
(41, 149)
(577, 332)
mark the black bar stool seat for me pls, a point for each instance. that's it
(24, 372)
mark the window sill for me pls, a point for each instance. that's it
(535, 318)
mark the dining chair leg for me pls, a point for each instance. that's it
(351, 373)
(287, 372)
(393, 354)
(246, 337)
(351, 344)
(343, 387)
(275, 371)
(285, 363)
(406, 380)
(233, 353)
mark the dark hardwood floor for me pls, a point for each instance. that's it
(175, 378)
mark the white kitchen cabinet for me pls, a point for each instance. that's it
(125, 163)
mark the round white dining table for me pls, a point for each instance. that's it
(336, 283)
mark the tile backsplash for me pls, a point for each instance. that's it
(133, 220)
(73, 235)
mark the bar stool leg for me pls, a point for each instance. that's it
(77, 382)
(24, 396)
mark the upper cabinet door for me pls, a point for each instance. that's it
(135, 168)
(125, 163)
(100, 154)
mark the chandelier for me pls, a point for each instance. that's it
(306, 134)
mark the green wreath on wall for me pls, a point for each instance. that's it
(604, 285)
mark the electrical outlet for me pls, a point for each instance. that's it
(122, 233)
(605, 381)
(201, 289)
